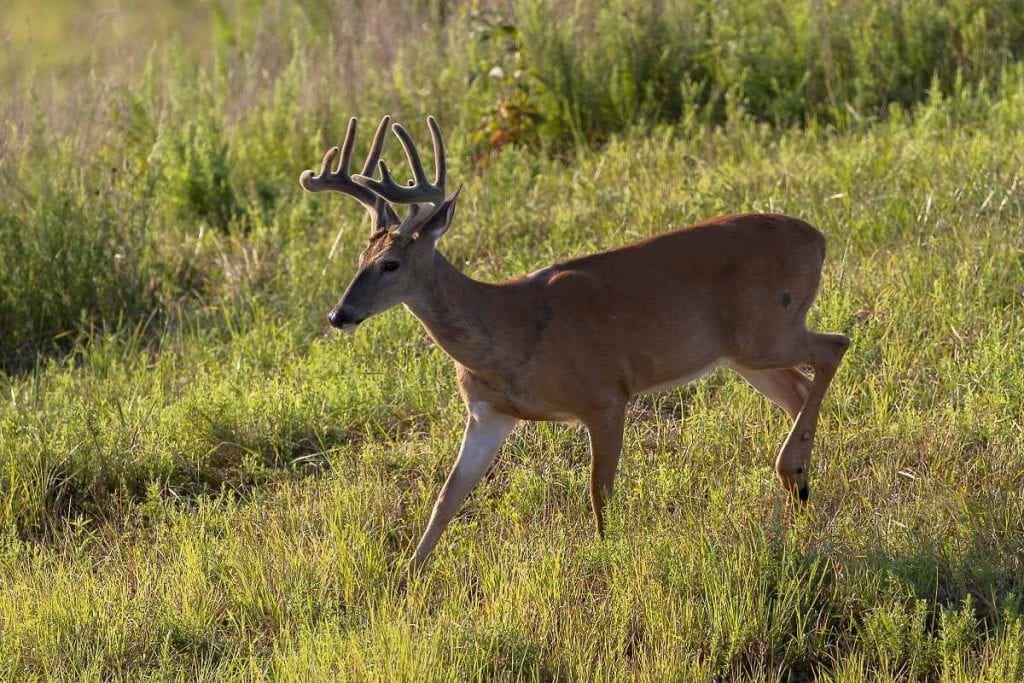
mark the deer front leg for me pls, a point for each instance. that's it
(826, 350)
(486, 429)
(605, 430)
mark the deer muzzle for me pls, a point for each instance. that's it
(342, 319)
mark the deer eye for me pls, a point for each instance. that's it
(389, 266)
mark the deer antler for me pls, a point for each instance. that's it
(382, 215)
(420, 192)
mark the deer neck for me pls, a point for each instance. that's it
(469, 319)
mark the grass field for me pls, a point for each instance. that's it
(198, 481)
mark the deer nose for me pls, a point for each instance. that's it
(337, 317)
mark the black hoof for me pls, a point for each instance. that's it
(804, 493)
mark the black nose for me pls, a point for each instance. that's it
(337, 317)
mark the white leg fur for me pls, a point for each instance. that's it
(486, 429)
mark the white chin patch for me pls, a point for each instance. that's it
(349, 328)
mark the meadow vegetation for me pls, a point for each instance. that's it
(198, 481)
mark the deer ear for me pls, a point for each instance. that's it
(438, 223)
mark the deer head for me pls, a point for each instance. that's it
(399, 253)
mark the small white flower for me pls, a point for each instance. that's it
(496, 72)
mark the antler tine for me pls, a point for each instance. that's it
(376, 146)
(347, 146)
(314, 183)
(411, 155)
(381, 213)
(440, 161)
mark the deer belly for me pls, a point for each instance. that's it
(678, 381)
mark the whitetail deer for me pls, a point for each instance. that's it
(578, 339)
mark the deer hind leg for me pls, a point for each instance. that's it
(486, 429)
(787, 388)
(605, 430)
(823, 352)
